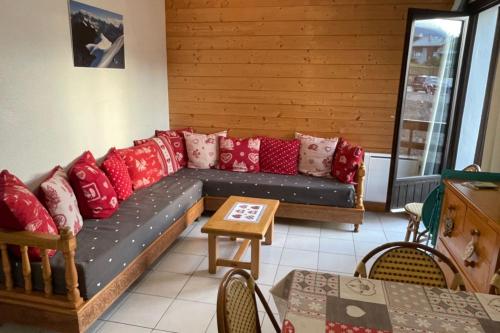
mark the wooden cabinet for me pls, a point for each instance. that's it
(469, 233)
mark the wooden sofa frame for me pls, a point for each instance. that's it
(71, 313)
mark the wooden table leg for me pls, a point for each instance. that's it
(254, 262)
(212, 253)
(268, 240)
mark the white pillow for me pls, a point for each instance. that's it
(316, 155)
(202, 149)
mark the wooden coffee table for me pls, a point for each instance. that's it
(251, 219)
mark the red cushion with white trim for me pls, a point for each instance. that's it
(346, 162)
(96, 196)
(20, 210)
(170, 163)
(177, 141)
(144, 164)
(279, 156)
(61, 202)
(240, 155)
(117, 172)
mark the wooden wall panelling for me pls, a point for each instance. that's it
(272, 67)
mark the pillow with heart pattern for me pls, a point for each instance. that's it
(239, 155)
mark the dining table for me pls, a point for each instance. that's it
(313, 302)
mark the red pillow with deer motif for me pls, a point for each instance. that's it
(279, 156)
(143, 164)
(117, 172)
(240, 155)
(20, 210)
(169, 162)
(176, 138)
(96, 196)
(346, 162)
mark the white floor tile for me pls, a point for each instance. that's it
(267, 326)
(336, 232)
(362, 248)
(370, 236)
(112, 309)
(179, 263)
(307, 243)
(334, 245)
(281, 227)
(212, 327)
(299, 258)
(109, 327)
(163, 284)
(200, 289)
(187, 317)
(337, 263)
(267, 273)
(141, 310)
(95, 327)
(269, 299)
(202, 270)
(198, 246)
(396, 236)
(279, 239)
(305, 228)
(268, 254)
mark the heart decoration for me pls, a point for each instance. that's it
(253, 157)
(226, 157)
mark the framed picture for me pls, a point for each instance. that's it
(97, 35)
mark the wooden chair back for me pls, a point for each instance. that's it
(409, 262)
(237, 306)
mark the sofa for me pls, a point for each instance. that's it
(72, 289)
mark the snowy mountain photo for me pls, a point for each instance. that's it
(98, 37)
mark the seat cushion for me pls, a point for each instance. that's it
(300, 189)
(106, 247)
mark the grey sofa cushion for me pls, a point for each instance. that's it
(294, 189)
(105, 247)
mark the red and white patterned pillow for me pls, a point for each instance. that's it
(316, 155)
(20, 210)
(240, 155)
(95, 195)
(202, 149)
(168, 159)
(61, 202)
(116, 170)
(176, 138)
(348, 158)
(279, 156)
(143, 164)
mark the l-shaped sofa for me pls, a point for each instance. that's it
(71, 290)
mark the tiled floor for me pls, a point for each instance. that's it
(179, 295)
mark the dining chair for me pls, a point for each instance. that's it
(237, 305)
(415, 211)
(409, 262)
(495, 283)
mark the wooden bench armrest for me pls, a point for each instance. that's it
(360, 186)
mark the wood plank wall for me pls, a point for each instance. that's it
(273, 67)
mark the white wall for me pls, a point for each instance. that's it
(51, 111)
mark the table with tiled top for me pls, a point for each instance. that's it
(321, 302)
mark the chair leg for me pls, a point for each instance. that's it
(409, 229)
(416, 225)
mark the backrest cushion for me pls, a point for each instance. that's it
(279, 156)
(61, 202)
(347, 160)
(316, 155)
(240, 155)
(117, 172)
(203, 149)
(20, 210)
(96, 196)
(176, 138)
(167, 153)
(144, 164)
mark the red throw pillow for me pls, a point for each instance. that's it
(346, 162)
(279, 156)
(143, 164)
(176, 138)
(94, 192)
(240, 155)
(20, 210)
(117, 172)
(167, 154)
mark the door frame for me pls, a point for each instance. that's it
(413, 15)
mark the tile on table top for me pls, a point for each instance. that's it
(181, 263)
(299, 258)
(187, 317)
(141, 310)
(164, 284)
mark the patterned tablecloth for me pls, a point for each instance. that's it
(320, 302)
